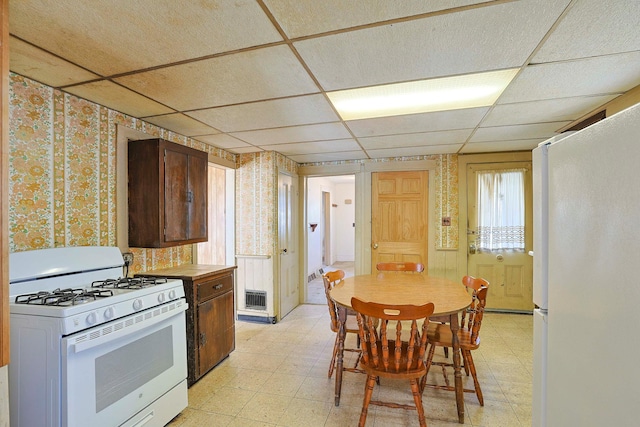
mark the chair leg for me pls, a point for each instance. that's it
(368, 391)
(417, 399)
(423, 381)
(472, 367)
(333, 357)
(465, 362)
(446, 352)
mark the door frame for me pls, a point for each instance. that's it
(463, 161)
(294, 230)
(363, 171)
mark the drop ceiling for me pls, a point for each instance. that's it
(252, 75)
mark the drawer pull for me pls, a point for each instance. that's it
(218, 286)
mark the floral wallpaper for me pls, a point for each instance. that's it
(62, 172)
(62, 179)
(257, 206)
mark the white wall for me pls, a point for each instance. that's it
(344, 232)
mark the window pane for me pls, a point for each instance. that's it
(500, 210)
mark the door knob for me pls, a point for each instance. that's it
(375, 246)
(472, 247)
(499, 257)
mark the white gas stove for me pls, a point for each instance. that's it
(90, 346)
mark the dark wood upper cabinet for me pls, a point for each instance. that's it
(167, 194)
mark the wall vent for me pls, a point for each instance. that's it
(256, 300)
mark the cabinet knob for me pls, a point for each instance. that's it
(189, 196)
(218, 286)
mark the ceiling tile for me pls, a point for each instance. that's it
(413, 123)
(303, 133)
(503, 133)
(488, 147)
(544, 111)
(272, 72)
(314, 147)
(225, 141)
(487, 38)
(328, 157)
(119, 98)
(181, 124)
(39, 65)
(586, 31)
(575, 78)
(414, 151)
(305, 17)
(268, 114)
(416, 139)
(110, 39)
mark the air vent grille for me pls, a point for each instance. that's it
(256, 300)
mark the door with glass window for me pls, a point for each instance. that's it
(499, 232)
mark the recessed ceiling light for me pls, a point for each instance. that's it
(448, 93)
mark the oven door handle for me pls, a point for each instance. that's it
(98, 336)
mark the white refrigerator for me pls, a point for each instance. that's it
(586, 254)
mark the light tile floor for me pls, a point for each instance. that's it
(277, 376)
(315, 288)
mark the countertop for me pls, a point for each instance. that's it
(188, 271)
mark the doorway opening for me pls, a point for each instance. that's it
(330, 228)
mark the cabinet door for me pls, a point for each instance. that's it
(197, 187)
(176, 205)
(215, 331)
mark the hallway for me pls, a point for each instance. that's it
(315, 288)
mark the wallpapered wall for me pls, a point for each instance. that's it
(62, 175)
(257, 207)
(62, 172)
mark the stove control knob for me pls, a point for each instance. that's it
(172, 294)
(109, 313)
(92, 318)
(137, 304)
(161, 297)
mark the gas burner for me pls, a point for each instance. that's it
(128, 282)
(63, 297)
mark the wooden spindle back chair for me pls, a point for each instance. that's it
(331, 279)
(468, 336)
(400, 266)
(384, 354)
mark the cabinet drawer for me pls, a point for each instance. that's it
(214, 287)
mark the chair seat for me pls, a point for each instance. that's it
(440, 335)
(416, 369)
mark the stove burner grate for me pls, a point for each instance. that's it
(63, 297)
(129, 282)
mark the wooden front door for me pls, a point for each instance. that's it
(399, 206)
(509, 271)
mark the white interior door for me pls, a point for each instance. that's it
(287, 242)
(508, 270)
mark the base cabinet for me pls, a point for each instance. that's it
(209, 290)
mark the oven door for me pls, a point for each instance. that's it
(115, 370)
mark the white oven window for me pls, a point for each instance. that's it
(129, 367)
(115, 370)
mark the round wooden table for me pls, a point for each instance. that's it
(404, 288)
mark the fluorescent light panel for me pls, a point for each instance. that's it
(448, 93)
